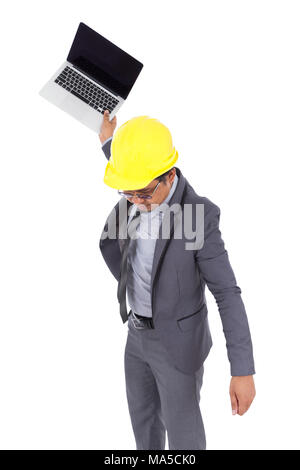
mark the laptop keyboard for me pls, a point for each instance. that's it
(85, 90)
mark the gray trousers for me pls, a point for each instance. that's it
(161, 398)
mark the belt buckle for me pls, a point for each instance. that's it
(137, 322)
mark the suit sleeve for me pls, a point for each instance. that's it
(215, 267)
(106, 147)
(109, 247)
(111, 253)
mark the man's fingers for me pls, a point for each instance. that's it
(239, 405)
(244, 405)
(106, 117)
(234, 404)
(242, 408)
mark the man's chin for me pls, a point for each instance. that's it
(147, 208)
(144, 207)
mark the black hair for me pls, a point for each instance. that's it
(162, 177)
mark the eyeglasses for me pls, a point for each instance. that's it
(140, 196)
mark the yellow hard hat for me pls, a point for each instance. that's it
(141, 150)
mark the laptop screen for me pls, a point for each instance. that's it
(104, 62)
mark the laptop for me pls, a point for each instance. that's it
(96, 76)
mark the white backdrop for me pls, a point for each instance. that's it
(224, 77)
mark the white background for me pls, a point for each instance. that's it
(224, 77)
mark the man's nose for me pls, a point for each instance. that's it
(137, 200)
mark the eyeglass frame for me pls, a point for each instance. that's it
(147, 196)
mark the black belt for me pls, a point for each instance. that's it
(140, 322)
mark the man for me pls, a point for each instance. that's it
(164, 278)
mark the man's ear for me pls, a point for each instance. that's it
(173, 173)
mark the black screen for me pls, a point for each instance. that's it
(104, 62)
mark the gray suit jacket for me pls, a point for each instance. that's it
(179, 277)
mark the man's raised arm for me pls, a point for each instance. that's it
(106, 132)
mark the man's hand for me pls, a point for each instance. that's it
(107, 127)
(242, 393)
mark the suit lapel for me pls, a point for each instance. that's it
(119, 216)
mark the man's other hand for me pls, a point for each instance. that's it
(107, 127)
(242, 393)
